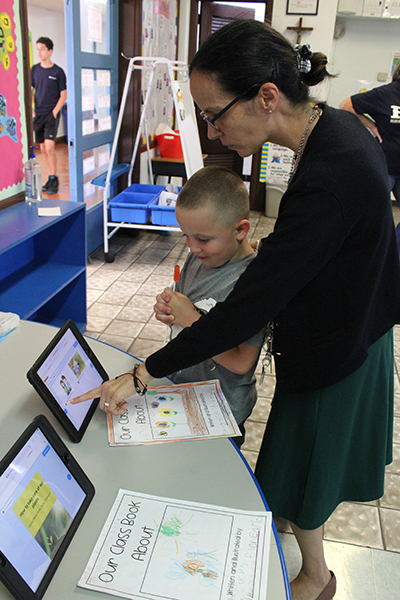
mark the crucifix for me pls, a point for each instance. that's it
(299, 29)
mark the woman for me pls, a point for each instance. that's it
(326, 281)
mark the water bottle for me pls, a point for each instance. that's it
(33, 179)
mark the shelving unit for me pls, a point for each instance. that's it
(43, 262)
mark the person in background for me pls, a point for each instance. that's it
(382, 104)
(212, 211)
(50, 85)
(326, 280)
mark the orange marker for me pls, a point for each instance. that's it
(177, 272)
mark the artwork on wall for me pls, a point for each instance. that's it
(13, 140)
(393, 63)
(159, 38)
(302, 7)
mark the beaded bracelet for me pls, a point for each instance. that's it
(136, 381)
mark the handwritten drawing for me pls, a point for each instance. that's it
(180, 550)
(196, 567)
(172, 528)
(167, 412)
(207, 569)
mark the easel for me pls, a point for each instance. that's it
(185, 120)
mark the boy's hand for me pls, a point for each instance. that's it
(182, 309)
(162, 309)
(176, 308)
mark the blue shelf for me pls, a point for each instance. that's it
(42, 281)
(43, 262)
(116, 172)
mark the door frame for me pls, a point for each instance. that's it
(257, 189)
(77, 143)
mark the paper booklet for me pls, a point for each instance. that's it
(173, 413)
(158, 548)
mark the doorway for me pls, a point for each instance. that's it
(208, 16)
(49, 22)
(85, 36)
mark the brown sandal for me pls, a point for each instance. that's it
(330, 590)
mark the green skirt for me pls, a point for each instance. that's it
(325, 447)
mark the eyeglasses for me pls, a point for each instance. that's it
(227, 107)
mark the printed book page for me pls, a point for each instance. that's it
(158, 548)
(173, 413)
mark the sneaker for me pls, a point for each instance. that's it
(52, 185)
(46, 185)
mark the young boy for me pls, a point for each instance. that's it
(50, 85)
(212, 210)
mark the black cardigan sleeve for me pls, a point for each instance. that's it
(308, 233)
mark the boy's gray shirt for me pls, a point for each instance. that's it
(205, 286)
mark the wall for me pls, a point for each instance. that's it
(364, 51)
(49, 23)
(320, 39)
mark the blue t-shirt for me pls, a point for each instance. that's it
(383, 105)
(48, 84)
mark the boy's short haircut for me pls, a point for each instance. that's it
(220, 188)
(46, 41)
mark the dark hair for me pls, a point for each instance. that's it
(219, 188)
(46, 41)
(247, 52)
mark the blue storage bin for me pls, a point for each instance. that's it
(163, 215)
(133, 204)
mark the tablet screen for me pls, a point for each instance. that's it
(68, 372)
(39, 499)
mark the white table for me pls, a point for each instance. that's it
(210, 471)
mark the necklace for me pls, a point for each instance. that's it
(316, 112)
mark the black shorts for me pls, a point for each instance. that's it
(45, 127)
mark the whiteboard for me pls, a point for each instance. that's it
(187, 124)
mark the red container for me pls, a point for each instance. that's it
(170, 145)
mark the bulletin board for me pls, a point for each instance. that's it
(13, 138)
(159, 38)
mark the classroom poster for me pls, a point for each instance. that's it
(187, 125)
(159, 39)
(153, 547)
(13, 139)
(276, 162)
(173, 413)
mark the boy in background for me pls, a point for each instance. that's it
(212, 210)
(50, 85)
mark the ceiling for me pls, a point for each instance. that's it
(56, 5)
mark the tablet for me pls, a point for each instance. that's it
(68, 368)
(43, 496)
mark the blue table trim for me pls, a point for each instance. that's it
(278, 542)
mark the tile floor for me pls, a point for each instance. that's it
(362, 540)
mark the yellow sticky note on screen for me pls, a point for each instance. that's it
(34, 504)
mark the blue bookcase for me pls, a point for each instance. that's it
(43, 262)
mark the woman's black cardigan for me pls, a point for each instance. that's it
(328, 276)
